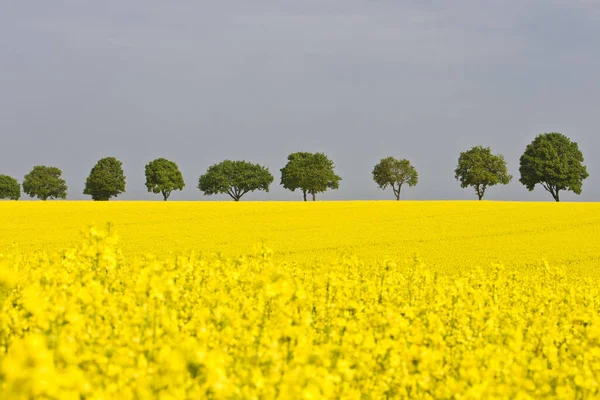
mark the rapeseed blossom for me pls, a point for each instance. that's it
(97, 320)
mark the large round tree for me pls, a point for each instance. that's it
(45, 183)
(9, 188)
(312, 173)
(555, 162)
(163, 176)
(395, 173)
(479, 168)
(235, 178)
(106, 179)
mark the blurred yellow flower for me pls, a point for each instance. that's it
(341, 308)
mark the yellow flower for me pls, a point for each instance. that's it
(338, 309)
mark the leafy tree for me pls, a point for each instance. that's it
(9, 188)
(106, 179)
(395, 173)
(45, 183)
(310, 172)
(235, 178)
(163, 176)
(479, 168)
(554, 162)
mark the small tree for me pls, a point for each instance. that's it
(479, 168)
(106, 179)
(45, 183)
(554, 162)
(235, 178)
(9, 188)
(394, 173)
(163, 176)
(310, 172)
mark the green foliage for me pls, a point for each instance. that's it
(45, 183)
(106, 180)
(554, 162)
(310, 172)
(163, 176)
(9, 188)
(395, 173)
(479, 168)
(235, 178)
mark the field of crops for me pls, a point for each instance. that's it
(357, 300)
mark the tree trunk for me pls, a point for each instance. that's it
(554, 192)
(165, 196)
(480, 191)
(314, 197)
(304, 193)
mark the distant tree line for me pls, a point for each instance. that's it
(552, 161)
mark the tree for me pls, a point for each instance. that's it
(163, 176)
(106, 179)
(394, 173)
(45, 183)
(9, 188)
(554, 162)
(479, 168)
(310, 172)
(235, 178)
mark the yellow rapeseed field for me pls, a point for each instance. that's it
(340, 300)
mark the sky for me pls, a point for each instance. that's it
(199, 81)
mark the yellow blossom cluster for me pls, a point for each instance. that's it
(88, 323)
(339, 309)
(447, 235)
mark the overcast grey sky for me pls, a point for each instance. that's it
(200, 81)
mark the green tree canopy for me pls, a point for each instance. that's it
(395, 173)
(45, 183)
(163, 176)
(235, 178)
(554, 162)
(479, 168)
(9, 188)
(310, 172)
(106, 179)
